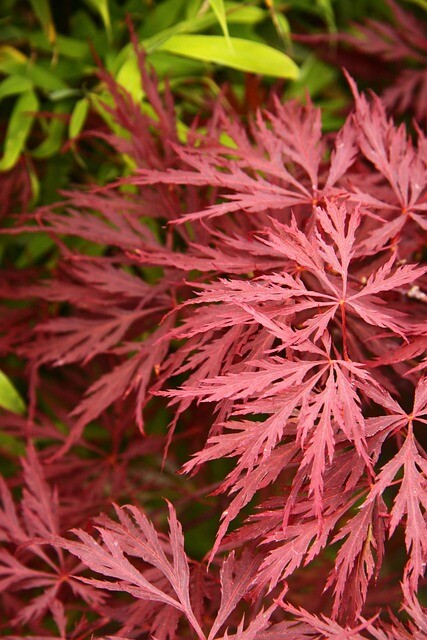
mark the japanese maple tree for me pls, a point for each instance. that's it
(263, 285)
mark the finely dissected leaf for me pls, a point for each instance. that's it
(355, 563)
(29, 557)
(411, 501)
(272, 289)
(401, 41)
(236, 578)
(294, 136)
(136, 536)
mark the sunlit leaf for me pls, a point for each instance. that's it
(129, 77)
(328, 13)
(420, 3)
(9, 396)
(14, 85)
(102, 8)
(281, 23)
(15, 63)
(247, 55)
(8, 55)
(218, 8)
(42, 10)
(18, 129)
(163, 15)
(236, 14)
(78, 117)
(68, 47)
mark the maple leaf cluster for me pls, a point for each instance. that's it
(266, 282)
(392, 52)
(397, 43)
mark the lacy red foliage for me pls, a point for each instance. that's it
(399, 43)
(272, 290)
(392, 55)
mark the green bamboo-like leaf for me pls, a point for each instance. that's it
(314, 76)
(218, 8)
(78, 117)
(14, 85)
(168, 64)
(15, 63)
(55, 132)
(44, 15)
(241, 14)
(246, 55)
(129, 77)
(328, 13)
(103, 9)
(9, 396)
(192, 7)
(9, 56)
(18, 129)
(236, 14)
(281, 24)
(42, 78)
(35, 185)
(66, 46)
(163, 15)
(420, 3)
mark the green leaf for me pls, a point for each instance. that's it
(192, 8)
(15, 63)
(236, 14)
(14, 85)
(9, 56)
(34, 247)
(42, 10)
(281, 24)
(218, 8)
(315, 76)
(55, 132)
(62, 94)
(42, 78)
(129, 77)
(168, 64)
(247, 55)
(9, 397)
(18, 129)
(328, 13)
(11, 444)
(420, 3)
(68, 47)
(239, 14)
(162, 16)
(78, 117)
(35, 185)
(101, 7)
